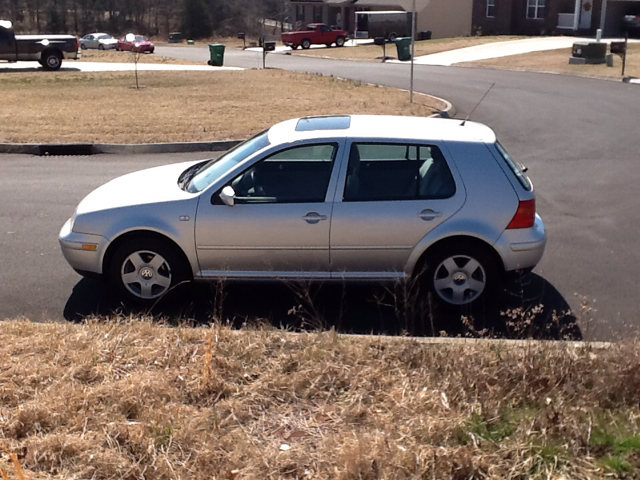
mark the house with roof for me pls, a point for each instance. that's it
(444, 18)
(550, 17)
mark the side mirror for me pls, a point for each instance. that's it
(228, 195)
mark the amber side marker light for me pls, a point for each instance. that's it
(89, 246)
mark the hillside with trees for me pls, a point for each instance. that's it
(195, 18)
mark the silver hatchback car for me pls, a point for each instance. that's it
(366, 198)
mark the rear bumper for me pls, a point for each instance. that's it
(522, 248)
(82, 251)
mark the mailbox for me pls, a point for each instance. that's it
(241, 35)
(619, 48)
(269, 46)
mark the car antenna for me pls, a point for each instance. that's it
(477, 105)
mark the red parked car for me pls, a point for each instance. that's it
(315, 34)
(140, 44)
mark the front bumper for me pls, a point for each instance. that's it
(84, 252)
(522, 248)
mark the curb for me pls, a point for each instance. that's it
(97, 148)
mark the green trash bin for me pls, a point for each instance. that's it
(216, 50)
(404, 48)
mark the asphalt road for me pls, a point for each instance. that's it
(578, 136)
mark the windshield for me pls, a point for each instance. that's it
(140, 38)
(105, 37)
(210, 172)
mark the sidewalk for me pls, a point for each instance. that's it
(502, 49)
(70, 65)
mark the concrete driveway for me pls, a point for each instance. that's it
(502, 49)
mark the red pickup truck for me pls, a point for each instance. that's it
(315, 34)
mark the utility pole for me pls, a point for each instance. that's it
(413, 46)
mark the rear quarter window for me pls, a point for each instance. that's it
(515, 167)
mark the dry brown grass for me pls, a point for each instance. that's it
(180, 106)
(129, 399)
(427, 47)
(112, 56)
(558, 61)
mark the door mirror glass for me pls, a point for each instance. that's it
(228, 195)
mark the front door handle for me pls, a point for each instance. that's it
(428, 214)
(313, 217)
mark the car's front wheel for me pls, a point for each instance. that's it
(145, 269)
(100, 47)
(340, 42)
(306, 44)
(460, 275)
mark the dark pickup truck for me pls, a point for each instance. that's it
(48, 50)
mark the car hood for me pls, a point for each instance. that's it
(145, 187)
(108, 40)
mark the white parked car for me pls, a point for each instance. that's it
(363, 198)
(100, 41)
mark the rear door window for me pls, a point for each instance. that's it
(379, 172)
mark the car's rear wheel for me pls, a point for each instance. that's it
(460, 275)
(305, 44)
(340, 42)
(143, 270)
(51, 60)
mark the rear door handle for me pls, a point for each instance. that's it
(313, 217)
(429, 214)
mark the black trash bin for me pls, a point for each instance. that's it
(216, 52)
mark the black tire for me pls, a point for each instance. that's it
(83, 46)
(305, 44)
(51, 60)
(160, 267)
(460, 275)
(340, 42)
(100, 47)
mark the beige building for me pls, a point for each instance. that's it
(444, 18)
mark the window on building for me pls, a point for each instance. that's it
(299, 13)
(317, 15)
(535, 8)
(491, 8)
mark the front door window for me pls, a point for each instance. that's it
(296, 175)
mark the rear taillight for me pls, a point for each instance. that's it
(525, 216)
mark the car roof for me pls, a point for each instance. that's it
(380, 127)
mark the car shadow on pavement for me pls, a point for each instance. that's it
(529, 308)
